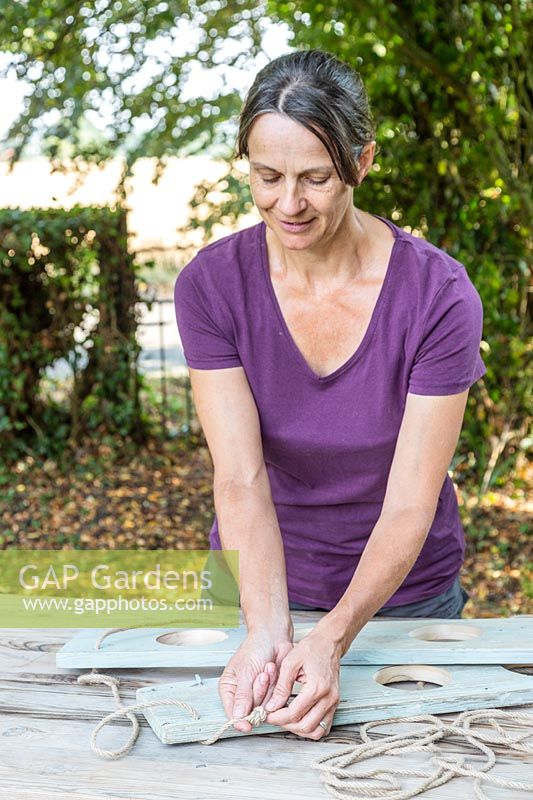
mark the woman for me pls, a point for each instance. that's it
(330, 355)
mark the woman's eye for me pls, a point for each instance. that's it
(313, 181)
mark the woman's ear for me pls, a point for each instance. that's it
(366, 160)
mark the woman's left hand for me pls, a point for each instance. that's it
(314, 662)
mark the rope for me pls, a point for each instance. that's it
(94, 678)
(344, 783)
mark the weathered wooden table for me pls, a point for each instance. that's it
(46, 719)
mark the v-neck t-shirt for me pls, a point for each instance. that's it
(328, 441)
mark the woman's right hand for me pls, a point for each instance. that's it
(251, 673)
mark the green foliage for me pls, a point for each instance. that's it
(233, 198)
(450, 85)
(67, 285)
(127, 60)
(451, 93)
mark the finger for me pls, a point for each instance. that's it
(263, 683)
(308, 724)
(243, 726)
(283, 688)
(318, 733)
(227, 695)
(226, 686)
(272, 676)
(243, 703)
(244, 697)
(301, 705)
(260, 688)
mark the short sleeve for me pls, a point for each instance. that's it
(448, 360)
(205, 334)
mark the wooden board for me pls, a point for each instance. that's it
(46, 721)
(489, 641)
(362, 699)
(53, 761)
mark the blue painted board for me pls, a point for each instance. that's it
(363, 699)
(487, 641)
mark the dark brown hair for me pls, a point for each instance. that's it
(323, 94)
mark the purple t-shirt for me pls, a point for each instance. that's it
(328, 442)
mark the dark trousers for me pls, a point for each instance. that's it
(448, 605)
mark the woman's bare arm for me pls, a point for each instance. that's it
(426, 443)
(245, 511)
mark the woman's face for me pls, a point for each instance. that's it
(294, 184)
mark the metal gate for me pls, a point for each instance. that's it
(162, 363)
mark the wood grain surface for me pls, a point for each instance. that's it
(46, 720)
(487, 641)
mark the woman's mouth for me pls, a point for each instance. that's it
(295, 227)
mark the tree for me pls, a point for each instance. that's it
(124, 64)
(451, 89)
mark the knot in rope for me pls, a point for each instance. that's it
(341, 773)
(257, 716)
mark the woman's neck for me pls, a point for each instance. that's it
(337, 260)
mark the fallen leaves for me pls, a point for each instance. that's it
(160, 496)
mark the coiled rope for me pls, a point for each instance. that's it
(337, 771)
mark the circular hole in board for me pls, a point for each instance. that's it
(444, 632)
(519, 669)
(195, 636)
(413, 677)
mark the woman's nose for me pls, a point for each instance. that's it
(290, 200)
